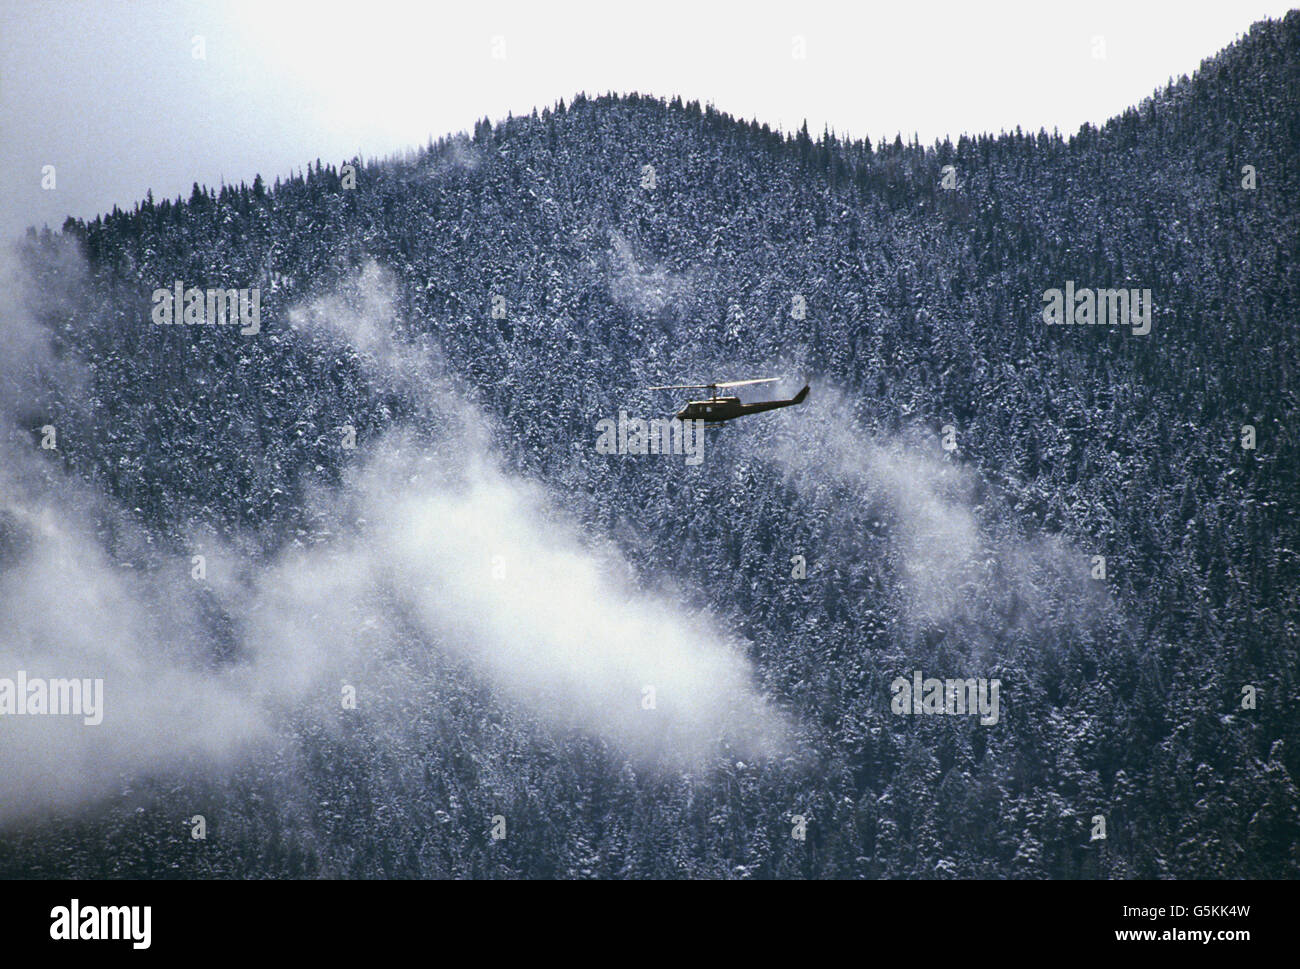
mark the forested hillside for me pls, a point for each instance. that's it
(632, 241)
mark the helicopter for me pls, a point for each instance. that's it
(716, 410)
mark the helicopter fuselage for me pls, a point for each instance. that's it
(715, 410)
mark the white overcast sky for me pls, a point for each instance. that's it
(110, 93)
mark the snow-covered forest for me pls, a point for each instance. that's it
(949, 487)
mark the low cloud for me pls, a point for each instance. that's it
(950, 565)
(490, 567)
(641, 288)
(433, 549)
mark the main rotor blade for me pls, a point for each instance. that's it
(727, 383)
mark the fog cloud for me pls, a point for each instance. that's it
(433, 548)
(949, 564)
